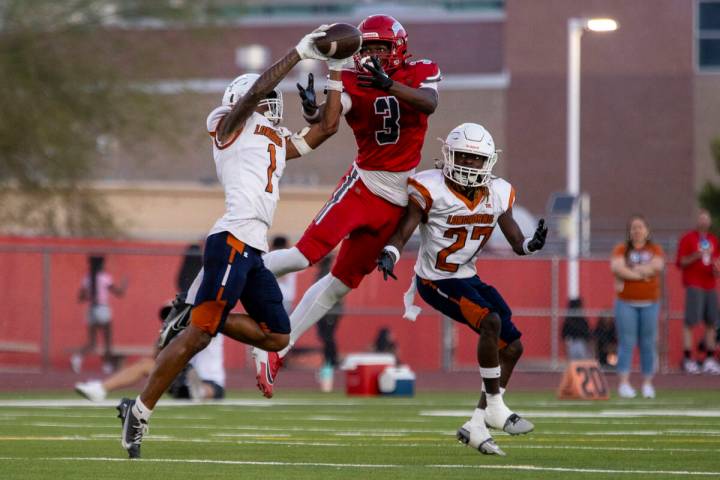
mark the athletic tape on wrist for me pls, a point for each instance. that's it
(392, 249)
(298, 139)
(336, 85)
(525, 247)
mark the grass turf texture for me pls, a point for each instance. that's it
(305, 435)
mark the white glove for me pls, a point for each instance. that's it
(306, 47)
(336, 64)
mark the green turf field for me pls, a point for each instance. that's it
(305, 435)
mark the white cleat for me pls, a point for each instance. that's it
(93, 390)
(500, 417)
(477, 436)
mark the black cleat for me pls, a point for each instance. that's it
(133, 428)
(175, 322)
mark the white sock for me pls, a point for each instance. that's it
(140, 410)
(494, 400)
(317, 301)
(478, 416)
(281, 262)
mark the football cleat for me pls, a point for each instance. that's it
(175, 322)
(477, 436)
(502, 418)
(267, 365)
(133, 428)
(93, 391)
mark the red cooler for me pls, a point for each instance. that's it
(362, 371)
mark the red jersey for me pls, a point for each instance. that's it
(389, 133)
(700, 273)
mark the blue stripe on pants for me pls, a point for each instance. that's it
(636, 326)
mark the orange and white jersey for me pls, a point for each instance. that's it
(249, 166)
(454, 229)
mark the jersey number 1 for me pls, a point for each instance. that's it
(271, 168)
(460, 235)
(389, 108)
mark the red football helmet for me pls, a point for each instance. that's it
(384, 28)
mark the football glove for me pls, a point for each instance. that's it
(307, 95)
(379, 79)
(386, 264)
(538, 240)
(306, 47)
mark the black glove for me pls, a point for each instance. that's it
(379, 79)
(307, 95)
(385, 264)
(538, 240)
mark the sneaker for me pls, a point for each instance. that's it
(93, 391)
(500, 417)
(76, 362)
(711, 366)
(625, 390)
(476, 435)
(648, 391)
(175, 322)
(195, 385)
(133, 428)
(690, 366)
(267, 365)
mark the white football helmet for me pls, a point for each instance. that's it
(470, 138)
(241, 85)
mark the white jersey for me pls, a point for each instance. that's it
(249, 166)
(209, 362)
(454, 229)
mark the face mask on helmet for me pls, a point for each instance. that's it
(383, 28)
(474, 140)
(241, 85)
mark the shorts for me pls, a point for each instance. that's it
(99, 315)
(469, 301)
(234, 271)
(701, 304)
(360, 219)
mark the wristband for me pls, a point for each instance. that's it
(336, 85)
(525, 247)
(298, 139)
(393, 250)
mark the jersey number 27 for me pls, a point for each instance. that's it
(460, 234)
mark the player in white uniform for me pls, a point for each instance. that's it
(250, 150)
(457, 209)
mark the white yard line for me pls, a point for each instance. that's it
(715, 413)
(370, 466)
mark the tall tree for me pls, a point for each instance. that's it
(62, 102)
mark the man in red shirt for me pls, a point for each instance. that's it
(698, 258)
(386, 101)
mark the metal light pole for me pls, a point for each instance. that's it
(576, 27)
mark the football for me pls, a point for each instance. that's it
(342, 40)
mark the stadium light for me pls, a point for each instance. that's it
(576, 27)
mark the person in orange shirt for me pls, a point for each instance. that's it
(637, 264)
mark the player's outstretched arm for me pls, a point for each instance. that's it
(305, 141)
(391, 252)
(424, 100)
(514, 236)
(268, 80)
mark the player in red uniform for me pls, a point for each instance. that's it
(386, 101)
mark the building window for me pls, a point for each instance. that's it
(707, 35)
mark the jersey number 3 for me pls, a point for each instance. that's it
(389, 108)
(460, 235)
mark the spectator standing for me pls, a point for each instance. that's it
(637, 264)
(697, 257)
(576, 332)
(96, 289)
